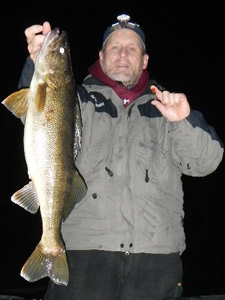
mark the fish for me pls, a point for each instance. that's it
(52, 142)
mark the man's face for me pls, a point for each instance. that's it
(122, 58)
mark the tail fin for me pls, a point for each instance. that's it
(40, 264)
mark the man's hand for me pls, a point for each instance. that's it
(173, 106)
(35, 36)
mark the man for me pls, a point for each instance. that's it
(124, 239)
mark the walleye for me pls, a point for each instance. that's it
(52, 141)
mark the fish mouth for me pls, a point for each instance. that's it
(51, 35)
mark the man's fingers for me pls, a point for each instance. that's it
(35, 43)
(31, 31)
(46, 27)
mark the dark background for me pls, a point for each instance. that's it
(185, 42)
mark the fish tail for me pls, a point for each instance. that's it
(51, 264)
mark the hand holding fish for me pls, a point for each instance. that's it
(173, 106)
(35, 36)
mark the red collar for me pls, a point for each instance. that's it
(126, 94)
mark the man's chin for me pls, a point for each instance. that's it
(120, 77)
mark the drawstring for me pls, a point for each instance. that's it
(146, 176)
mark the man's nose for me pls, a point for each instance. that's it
(123, 52)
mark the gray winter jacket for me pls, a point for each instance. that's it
(132, 160)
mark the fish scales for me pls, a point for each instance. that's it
(52, 141)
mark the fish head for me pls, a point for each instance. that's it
(53, 60)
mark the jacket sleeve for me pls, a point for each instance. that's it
(196, 148)
(26, 74)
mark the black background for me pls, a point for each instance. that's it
(185, 43)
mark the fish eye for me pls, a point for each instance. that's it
(61, 50)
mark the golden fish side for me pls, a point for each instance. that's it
(52, 112)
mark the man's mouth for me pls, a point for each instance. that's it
(121, 65)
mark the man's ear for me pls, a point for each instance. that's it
(145, 61)
(100, 54)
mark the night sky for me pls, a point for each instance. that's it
(186, 47)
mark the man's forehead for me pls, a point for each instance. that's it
(124, 35)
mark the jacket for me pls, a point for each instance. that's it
(132, 160)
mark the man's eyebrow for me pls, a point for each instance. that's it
(117, 42)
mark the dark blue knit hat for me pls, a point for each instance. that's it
(124, 23)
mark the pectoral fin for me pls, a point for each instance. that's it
(26, 198)
(40, 96)
(17, 102)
